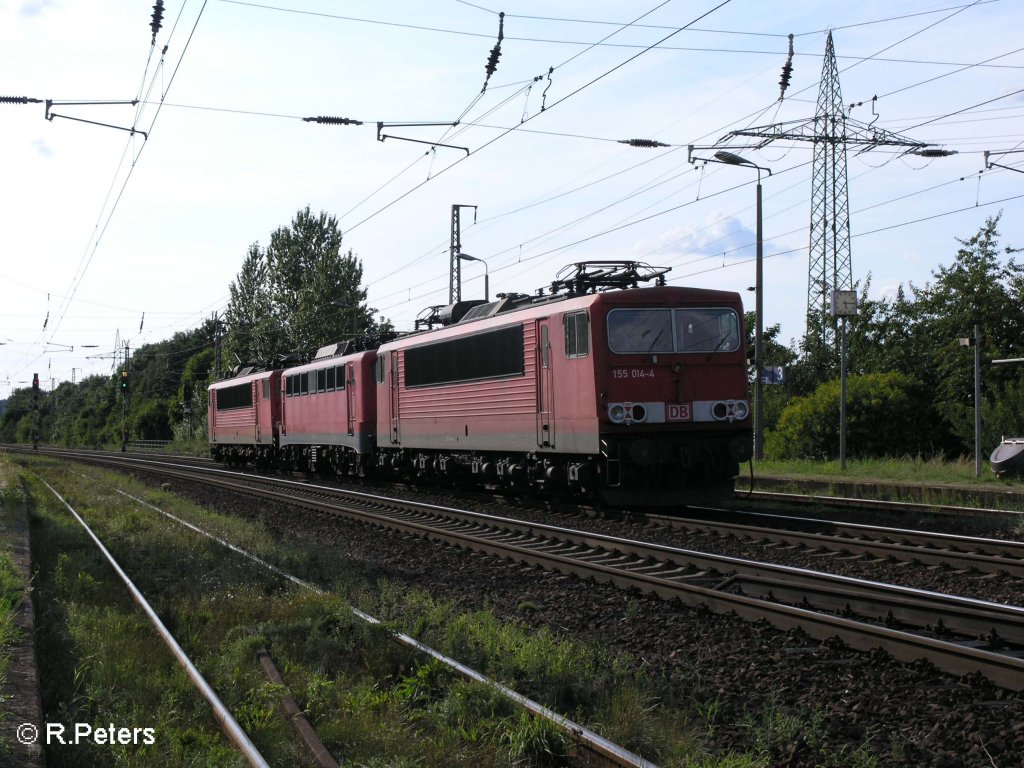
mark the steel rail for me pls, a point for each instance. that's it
(880, 504)
(1009, 548)
(234, 732)
(584, 736)
(984, 554)
(1004, 670)
(825, 591)
(930, 548)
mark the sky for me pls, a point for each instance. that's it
(113, 237)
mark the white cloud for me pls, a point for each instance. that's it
(42, 148)
(36, 7)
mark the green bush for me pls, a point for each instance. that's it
(887, 414)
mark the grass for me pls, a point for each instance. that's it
(929, 481)
(908, 469)
(12, 586)
(372, 701)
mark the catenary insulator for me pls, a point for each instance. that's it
(326, 120)
(19, 100)
(158, 18)
(645, 143)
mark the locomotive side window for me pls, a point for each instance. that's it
(577, 334)
(340, 376)
(380, 369)
(488, 355)
(266, 389)
(289, 385)
(239, 396)
(330, 379)
(693, 329)
(321, 380)
(304, 383)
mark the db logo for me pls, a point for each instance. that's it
(679, 412)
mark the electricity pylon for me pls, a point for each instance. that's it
(831, 130)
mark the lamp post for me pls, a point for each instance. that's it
(487, 277)
(729, 158)
(976, 343)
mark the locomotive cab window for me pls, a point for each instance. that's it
(289, 386)
(706, 329)
(266, 389)
(693, 329)
(339, 377)
(577, 334)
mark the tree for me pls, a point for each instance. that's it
(316, 289)
(888, 414)
(254, 332)
(300, 293)
(977, 289)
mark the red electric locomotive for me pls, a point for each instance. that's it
(243, 415)
(637, 395)
(329, 414)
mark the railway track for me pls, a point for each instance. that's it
(986, 555)
(956, 634)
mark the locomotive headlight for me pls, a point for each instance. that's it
(639, 412)
(730, 410)
(617, 412)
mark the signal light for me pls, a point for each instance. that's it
(35, 382)
(124, 381)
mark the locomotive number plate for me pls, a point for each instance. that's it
(678, 412)
(632, 373)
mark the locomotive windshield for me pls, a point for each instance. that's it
(693, 329)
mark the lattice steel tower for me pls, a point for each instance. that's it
(830, 261)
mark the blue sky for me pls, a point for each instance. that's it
(102, 226)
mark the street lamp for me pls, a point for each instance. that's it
(729, 158)
(976, 343)
(487, 277)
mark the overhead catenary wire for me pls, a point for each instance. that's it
(101, 228)
(530, 228)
